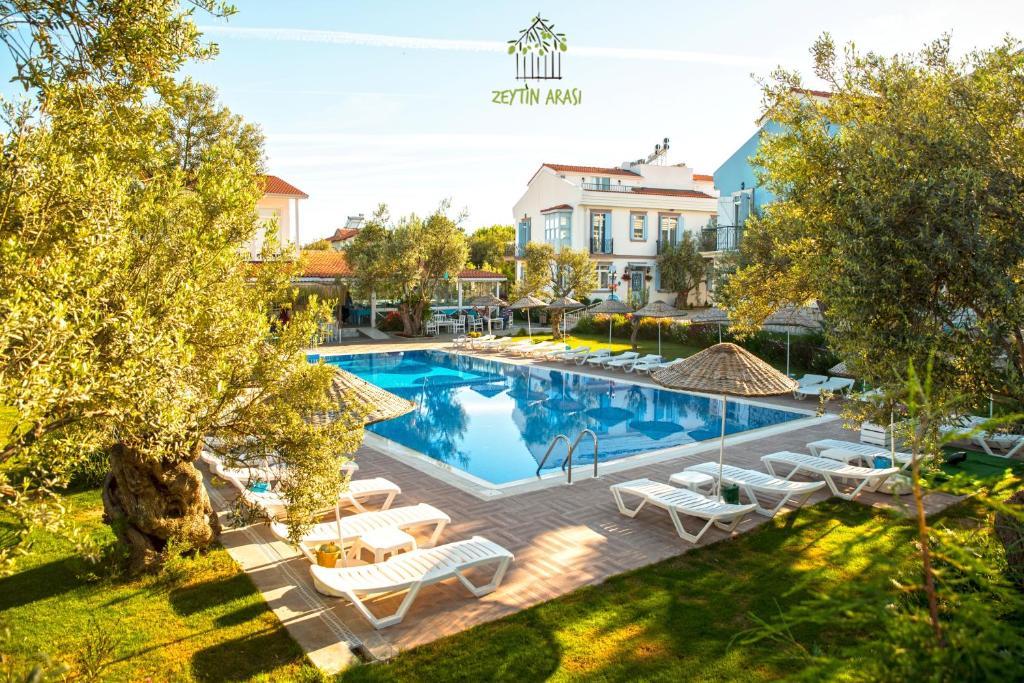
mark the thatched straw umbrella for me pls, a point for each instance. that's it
(528, 302)
(658, 309)
(486, 301)
(712, 315)
(384, 405)
(347, 387)
(611, 306)
(563, 303)
(790, 316)
(725, 369)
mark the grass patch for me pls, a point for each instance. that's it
(210, 625)
(675, 620)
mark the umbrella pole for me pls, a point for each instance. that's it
(341, 541)
(721, 450)
(659, 336)
(609, 329)
(719, 333)
(787, 352)
(529, 328)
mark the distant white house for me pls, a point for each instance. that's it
(622, 216)
(280, 203)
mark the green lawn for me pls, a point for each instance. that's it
(675, 620)
(211, 626)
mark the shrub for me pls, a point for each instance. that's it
(392, 322)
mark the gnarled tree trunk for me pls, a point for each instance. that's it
(148, 503)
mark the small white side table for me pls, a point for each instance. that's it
(382, 542)
(695, 481)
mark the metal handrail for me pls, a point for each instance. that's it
(550, 448)
(572, 448)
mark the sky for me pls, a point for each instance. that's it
(370, 102)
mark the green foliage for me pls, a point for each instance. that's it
(900, 208)
(682, 268)
(319, 245)
(129, 323)
(200, 619)
(408, 261)
(487, 249)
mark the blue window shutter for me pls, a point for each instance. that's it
(608, 231)
(657, 277)
(645, 227)
(679, 229)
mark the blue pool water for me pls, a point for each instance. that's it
(495, 420)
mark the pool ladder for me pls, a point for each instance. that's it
(567, 463)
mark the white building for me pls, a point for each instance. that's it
(622, 216)
(280, 204)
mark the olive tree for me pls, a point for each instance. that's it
(901, 209)
(130, 325)
(682, 268)
(409, 260)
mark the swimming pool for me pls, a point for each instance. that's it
(495, 420)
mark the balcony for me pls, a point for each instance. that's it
(599, 187)
(721, 238)
(599, 246)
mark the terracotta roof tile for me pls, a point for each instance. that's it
(477, 274)
(703, 176)
(342, 234)
(325, 264)
(813, 93)
(275, 185)
(663, 191)
(560, 207)
(602, 170)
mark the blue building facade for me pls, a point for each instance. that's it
(740, 194)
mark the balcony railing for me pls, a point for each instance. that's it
(600, 187)
(599, 246)
(722, 238)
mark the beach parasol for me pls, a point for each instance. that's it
(610, 306)
(725, 369)
(486, 301)
(564, 303)
(790, 316)
(712, 315)
(658, 309)
(528, 302)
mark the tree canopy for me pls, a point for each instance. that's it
(408, 261)
(901, 209)
(487, 249)
(552, 274)
(131, 329)
(682, 268)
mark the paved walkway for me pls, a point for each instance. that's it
(563, 538)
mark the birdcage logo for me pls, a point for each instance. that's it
(538, 51)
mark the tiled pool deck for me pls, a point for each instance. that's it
(563, 537)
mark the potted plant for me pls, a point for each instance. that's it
(327, 554)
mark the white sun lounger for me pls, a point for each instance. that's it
(567, 355)
(606, 361)
(810, 380)
(851, 450)
(644, 364)
(269, 472)
(752, 483)
(494, 343)
(830, 470)
(593, 356)
(475, 343)
(676, 501)
(358, 491)
(541, 349)
(353, 526)
(411, 571)
(834, 385)
(516, 348)
(625, 363)
(1009, 443)
(661, 366)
